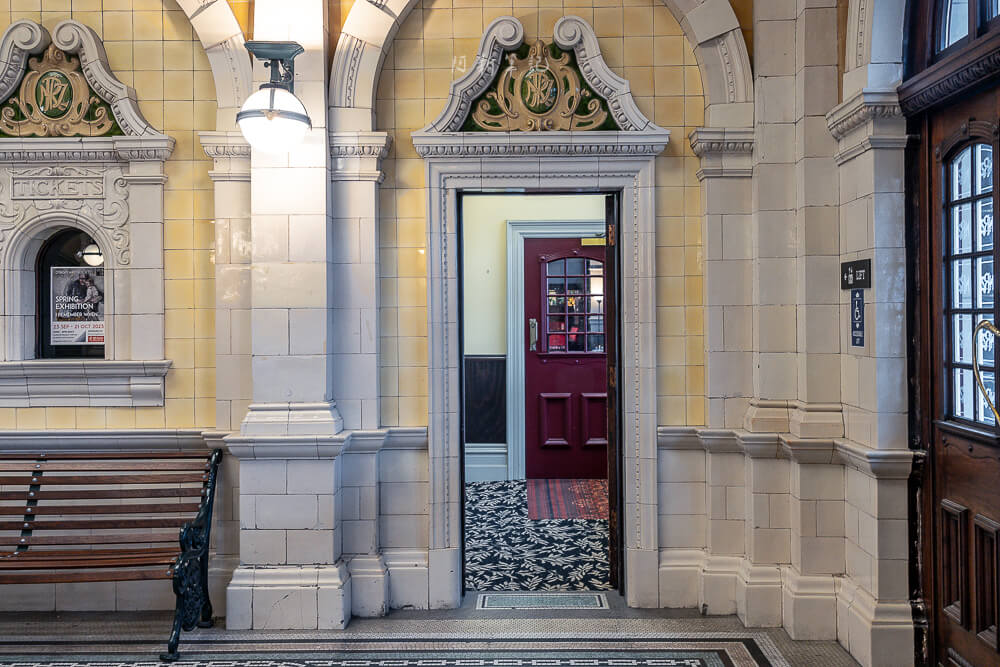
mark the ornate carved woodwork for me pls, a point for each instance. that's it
(954, 547)
(986, 534)
(952, 103)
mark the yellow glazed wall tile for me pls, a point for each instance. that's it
(120, 418)
(91, 418)
(30, 418)
(8, 418)
(60, 417)
(147, 25)
(149, 417)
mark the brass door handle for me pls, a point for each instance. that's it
(532, 334)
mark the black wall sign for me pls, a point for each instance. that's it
(856, 274)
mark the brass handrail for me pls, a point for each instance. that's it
(989, 326)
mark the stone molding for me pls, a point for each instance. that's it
(63, 382)
(864, 106)
(283, 447)
(726, 140)
(230, 153)
(100, 440)
(649, 143)
(878, 463)
(357, 156)
(725, 152)
(506, 34)
(86, 149)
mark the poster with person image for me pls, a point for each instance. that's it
(77, 306)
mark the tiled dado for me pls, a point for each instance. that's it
(790, 532)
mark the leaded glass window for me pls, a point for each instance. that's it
(953, 23)
(574, 306)
(969, 271)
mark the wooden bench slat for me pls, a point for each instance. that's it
(69, 576)
(64, 540)
(41, 554)
(111, 466)
(88, 480)
(95, 524)
(55, 456)
(57, 563)
(105, 494)
(143, 508)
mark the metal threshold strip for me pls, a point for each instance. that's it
(542, 601)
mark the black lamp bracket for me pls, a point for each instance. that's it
(279, 57)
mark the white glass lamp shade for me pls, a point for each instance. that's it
(92, 255)
(273, 120)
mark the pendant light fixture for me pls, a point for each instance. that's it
(273, 119)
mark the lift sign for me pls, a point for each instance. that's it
(857, 318)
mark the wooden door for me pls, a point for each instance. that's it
(565, 374)
(961, 489)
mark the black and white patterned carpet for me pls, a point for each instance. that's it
(506, 551)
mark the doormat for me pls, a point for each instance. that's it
(567, 499)
(542, 601)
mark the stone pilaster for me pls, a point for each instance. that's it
(355, 172)
(725, 174)
(768, 531)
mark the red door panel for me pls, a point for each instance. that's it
(565, 360)
(594, 419)
(554, 422)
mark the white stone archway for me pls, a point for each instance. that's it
(222, 38)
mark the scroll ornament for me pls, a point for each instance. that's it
(54, 100)
(990, 327)
(541, 91)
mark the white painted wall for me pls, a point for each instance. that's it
(484, 256)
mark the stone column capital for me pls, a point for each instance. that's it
(357, 156)
(231, 154)
(725, 152)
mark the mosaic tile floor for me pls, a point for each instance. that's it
(466, 636)
(506, 551)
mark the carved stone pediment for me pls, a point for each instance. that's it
(73, 145)
(60, 85)
(560, 86)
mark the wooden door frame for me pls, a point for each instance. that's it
(517, 232)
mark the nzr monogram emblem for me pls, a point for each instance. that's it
(539, 90)
(53, 92)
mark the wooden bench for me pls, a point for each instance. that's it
(77, 517)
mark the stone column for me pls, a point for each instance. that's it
(291, 573)
(872, 601)
(725, 175)
(816, 412)
(231, 177)
(774, 234)
(816, 505)
(768, 531)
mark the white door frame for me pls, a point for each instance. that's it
(517, 232)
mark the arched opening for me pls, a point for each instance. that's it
(70, 303)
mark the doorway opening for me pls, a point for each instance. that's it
(539, 326)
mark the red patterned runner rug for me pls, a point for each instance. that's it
(567, 499)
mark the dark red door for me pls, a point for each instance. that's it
(565, 369)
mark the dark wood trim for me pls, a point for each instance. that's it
(958, 73)
(986, 575)
(953, 576)
(612, 345)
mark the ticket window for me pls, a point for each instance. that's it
(70, 314)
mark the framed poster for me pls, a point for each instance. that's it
(77, 306)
